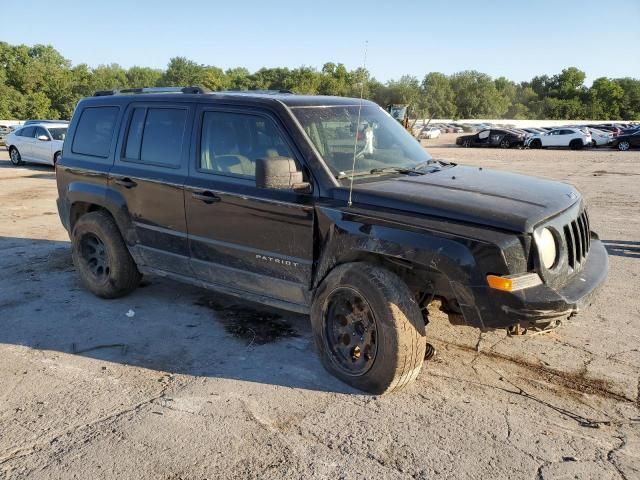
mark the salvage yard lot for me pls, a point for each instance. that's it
(177, 382)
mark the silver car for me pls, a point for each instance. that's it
(37, 143)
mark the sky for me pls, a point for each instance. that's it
(515, 39)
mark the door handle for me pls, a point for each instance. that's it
(206, 197)
(126, 182)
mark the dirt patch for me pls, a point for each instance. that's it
(599, 173)
(256, 327)
(572, 381)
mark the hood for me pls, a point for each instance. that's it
(498, 199)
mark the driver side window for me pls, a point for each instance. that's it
(232, 142)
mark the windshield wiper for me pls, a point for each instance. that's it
(403, 170)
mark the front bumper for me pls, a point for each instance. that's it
(485, 307)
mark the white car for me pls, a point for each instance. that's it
(600, 137)
(574, 138)
(37, 143)
(430, 132)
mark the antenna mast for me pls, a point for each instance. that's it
(355, 141)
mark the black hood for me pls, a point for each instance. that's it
(485, 197)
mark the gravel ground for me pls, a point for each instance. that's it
(194, 385)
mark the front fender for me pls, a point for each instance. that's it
(461, 259)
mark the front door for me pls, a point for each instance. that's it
(149, 172)
(25, 143)
(241, 237)
(41, 149)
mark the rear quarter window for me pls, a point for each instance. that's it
(94, 132)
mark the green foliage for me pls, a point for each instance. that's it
(38, 82)
(477, 96)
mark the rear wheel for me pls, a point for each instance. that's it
(368, 328)
(576, 144)
(15, 157)
(505, 143)
(623, 146)
(101, 256)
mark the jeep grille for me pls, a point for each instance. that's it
(578, 238)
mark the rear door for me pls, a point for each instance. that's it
(149, 172)
(241, 237)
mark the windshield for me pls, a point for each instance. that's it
(381, 141)
(58, 133)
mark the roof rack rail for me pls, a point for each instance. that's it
(262, 92)
(105, 93)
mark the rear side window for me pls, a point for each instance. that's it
(156, 136)
(95, 131)
(27, 132)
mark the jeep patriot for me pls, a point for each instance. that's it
(319, 205)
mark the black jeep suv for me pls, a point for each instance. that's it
(320, 205)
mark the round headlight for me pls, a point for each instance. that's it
(547, 248)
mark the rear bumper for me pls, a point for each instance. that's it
(495, 309)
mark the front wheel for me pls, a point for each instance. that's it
(624, 146)
(368, 328)
(535, 144)
(15, 157)
(101, 256)
(56, 157)
(466, 143)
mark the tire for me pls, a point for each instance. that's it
(386, 318)
(536, 143)
(576, 144)
(56, 157)
(15, 157)
(466, 143)
(101, 256)
(623, 146)
(505, 143)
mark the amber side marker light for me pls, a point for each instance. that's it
(512, 283)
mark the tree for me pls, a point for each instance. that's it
(181, 72)
(477, 95)
(439, 99)
(630, 103)
(140, 77)
(37, 81)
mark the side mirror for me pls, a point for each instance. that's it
(43, 138)
(280, 173)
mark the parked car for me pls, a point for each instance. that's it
(430, 132)
(600, 138)
(614, 130)
(37, 143)
(533, 131)
(228, 192)
(574, 138)
(492, 138)
(33, 122)
(455, 128)
(625, 142)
